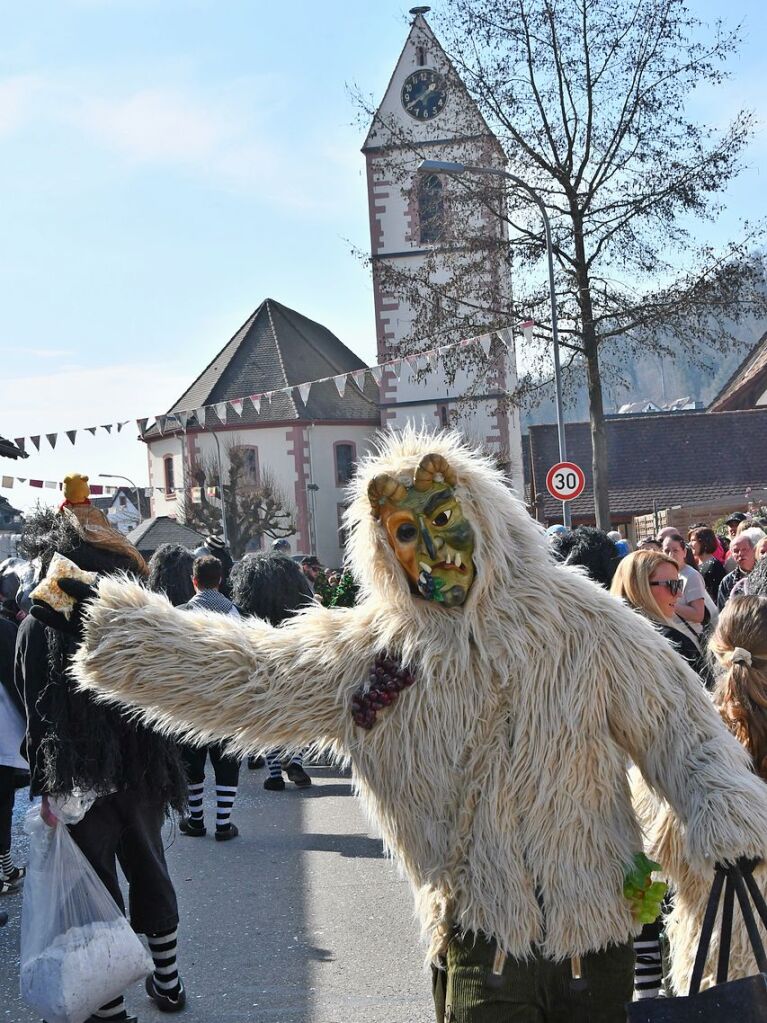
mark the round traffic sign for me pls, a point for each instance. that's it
(565, 481)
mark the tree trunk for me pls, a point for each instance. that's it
(594, 380)
(598, 440)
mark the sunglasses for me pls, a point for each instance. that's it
(674, 586)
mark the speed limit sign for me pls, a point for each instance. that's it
(565, 481)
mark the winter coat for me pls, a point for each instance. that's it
(498, 780)
(11, 709)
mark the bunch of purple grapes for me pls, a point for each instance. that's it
(386, 680)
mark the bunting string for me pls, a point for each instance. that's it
(231, 410)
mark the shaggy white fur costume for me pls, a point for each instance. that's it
(502, 772)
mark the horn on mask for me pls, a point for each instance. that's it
(384, 488)
(433, 469)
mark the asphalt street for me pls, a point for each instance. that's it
(299, 920)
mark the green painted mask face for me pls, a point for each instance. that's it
(427, 529)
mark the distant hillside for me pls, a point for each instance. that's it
(653, 379)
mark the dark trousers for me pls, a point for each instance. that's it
(226, 769)
(537, 990)
(124, 827)
(7, 791)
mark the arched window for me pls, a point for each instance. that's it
(170, 479)
(431, 208)
(250, 466)
(345, 453)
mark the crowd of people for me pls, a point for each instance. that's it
(704, 593)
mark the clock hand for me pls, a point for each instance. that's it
(419, 99)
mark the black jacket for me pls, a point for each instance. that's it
(713, 573)
(726, 585)
(687, 648)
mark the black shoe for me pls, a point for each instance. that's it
(298, 776)
(191, 828)
(224, 834)
(17, 874)
(120, 1019)
(255, 762)
(274, 784)
(164, 1002)
(9, 887)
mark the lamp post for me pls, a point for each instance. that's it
(449, 167)
(115, 476)
(224, 530)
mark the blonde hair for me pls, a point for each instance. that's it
(739, 647)
(632, 581)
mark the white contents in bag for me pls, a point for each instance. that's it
(81, 969)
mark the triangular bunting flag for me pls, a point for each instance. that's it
(396, 368)
(236, 405)
(485, 340)
(19, 442)
(182, 418)
(340, 382)
(91, 430)
(412, 361)
(121, 425)
(358, 376)
(161, 421)
(8, 482)
(527, 329)
(107, 427)
(269, 396)
(507, 336)
(71, 434)
(22, 479)
(36, 442)
(141, 424)
(303, 390)
(221, 411)
(52, 439)
(255, 400)
(376, 373)
(202, 415)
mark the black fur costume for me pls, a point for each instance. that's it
(592, 549)
(72, 740)
(269, 586)
(170, 572)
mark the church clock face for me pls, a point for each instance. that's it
(424, 94)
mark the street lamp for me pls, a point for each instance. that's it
(224, 531)
(448, 167)
(114, 476)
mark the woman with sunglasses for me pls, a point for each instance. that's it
(649, 581)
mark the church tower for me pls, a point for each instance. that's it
(416, 233)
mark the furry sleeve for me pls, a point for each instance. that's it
(663, 718)
(204, 676)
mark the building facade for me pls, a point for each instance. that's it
(418, 227)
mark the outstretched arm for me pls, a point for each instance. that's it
(206, 676)
(661, 715)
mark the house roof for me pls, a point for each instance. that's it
(152, 533)
(105, 502)
(277, 347)
(10, 450)
(747, 383)
(672, 458)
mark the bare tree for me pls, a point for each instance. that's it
(255, 506)
(587, 99)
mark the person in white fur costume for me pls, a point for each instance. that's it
(498, 778)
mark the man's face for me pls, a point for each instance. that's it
(311, 571)
(432, 539)
(743, 551)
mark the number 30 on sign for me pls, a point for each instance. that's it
(565, 481)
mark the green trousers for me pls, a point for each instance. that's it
(536, 990)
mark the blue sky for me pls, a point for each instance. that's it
(165, 166)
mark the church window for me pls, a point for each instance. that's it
(170, 480)
(431, 208)
(250, 466)
(345, 454)
(420, 55)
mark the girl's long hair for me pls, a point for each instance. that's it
(632, 582)
(741, 689)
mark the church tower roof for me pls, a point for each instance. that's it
(275, 348)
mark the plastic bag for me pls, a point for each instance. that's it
(78, 951)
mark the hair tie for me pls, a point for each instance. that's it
(741, 656)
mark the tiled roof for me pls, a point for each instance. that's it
(9, 450)
(278, 347)
(671, 458)
(162, 529)
(747, 383)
